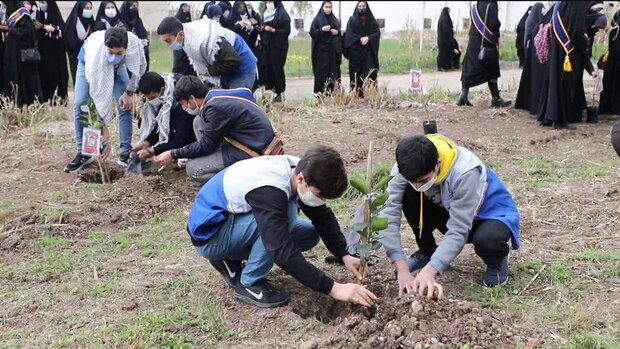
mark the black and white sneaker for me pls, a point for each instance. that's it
(261, 294)
(78, 162)
(123, 160)
(230, 270)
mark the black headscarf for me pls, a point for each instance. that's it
(132, 21)
(533, 20)
(204, 9)
(235, 15)
(182, 16)
(359, 28)
(445, 28)
(321, 19)
(54, 16)
(101, 14)
(280, 19)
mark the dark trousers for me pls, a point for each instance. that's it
(490, 237)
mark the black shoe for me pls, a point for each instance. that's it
(277, 98)
(461, 102)
(230, 270)
(500, 102)
(123, 160)
(497, 274)
(564, 126)
(78, 162)
(261, 294)
(417, 261)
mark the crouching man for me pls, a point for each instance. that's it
(249, 211)
(439, 185)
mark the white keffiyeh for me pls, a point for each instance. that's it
(100, 74)
(205, 33)
(163, 115)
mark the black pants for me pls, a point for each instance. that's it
(490, 237)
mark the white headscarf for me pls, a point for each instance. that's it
(205, 33)
(163, 115)
(100, 74)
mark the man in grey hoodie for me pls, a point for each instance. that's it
(439, 185)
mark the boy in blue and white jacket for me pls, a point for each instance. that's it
(249, 211)
(439, 185)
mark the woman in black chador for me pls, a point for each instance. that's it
(447, 47)
(533, 70)
(562, 99)
(53, 53)
(479, 69)
(274, 41)
(361, 47)
(326, 47)
(79, 25)
(20, 76)
(610, 96)
(520, 42)
(130, 16)
(108, 16)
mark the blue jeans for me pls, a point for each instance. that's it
(239, 80)
(81, 95)
(238, 238)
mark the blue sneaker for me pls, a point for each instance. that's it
(417, 261)
(497, 274)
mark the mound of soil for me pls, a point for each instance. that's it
(92, 174)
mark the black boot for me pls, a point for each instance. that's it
(463, 98)
(497, 101)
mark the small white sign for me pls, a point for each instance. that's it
(91, 142)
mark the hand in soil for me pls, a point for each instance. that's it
(353, 264)
(425, 281)
(164, 159)
(405, 280)
(352, 293)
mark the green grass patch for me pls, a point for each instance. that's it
(543, 171)
(591, 341)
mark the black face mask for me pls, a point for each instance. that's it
(362, 10)
(242, 11)
(133, 12)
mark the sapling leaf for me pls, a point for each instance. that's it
(359, 183)
(379, 201)
(359, 227)
(379, 223)
(382, 184)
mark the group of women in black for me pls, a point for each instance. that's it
(557, 49)
(36, 42)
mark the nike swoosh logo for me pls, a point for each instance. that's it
(230, 273)
(256, 295)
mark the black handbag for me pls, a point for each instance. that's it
(487, 54)
(30, 55)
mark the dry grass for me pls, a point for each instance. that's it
(13, 116)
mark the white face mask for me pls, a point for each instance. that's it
(110, 12)
(155, 102)
(309, 199)
(193, 111)
(43, 7)
(270, 6)
(426, 186)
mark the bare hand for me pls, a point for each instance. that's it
(125, 102)
(352, 293)
(140, 146)
(364, 40)
(405, 279)
(326, 28)
(352, 264)
(253, 21)
(335, 32)
(48, 28)
(269, 29)
(144, 154)
(164, 159)
(456, 50)
(425, 281)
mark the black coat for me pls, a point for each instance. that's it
(476, 72)
(133, 23)
(445, 41)
(53, 54)
(326, 51)
(73, 44)
(520, 41)
(562, 97)
(610, 96)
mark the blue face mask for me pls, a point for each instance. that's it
(176, 46)
(114, 59)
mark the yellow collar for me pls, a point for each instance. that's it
(446, 149)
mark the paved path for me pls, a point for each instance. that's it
(298, 89)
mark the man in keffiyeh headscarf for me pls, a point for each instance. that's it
(164, 124)
(103, 65)
(217, 54)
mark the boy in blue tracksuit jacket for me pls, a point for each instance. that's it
(249, 212)
(439, 185)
